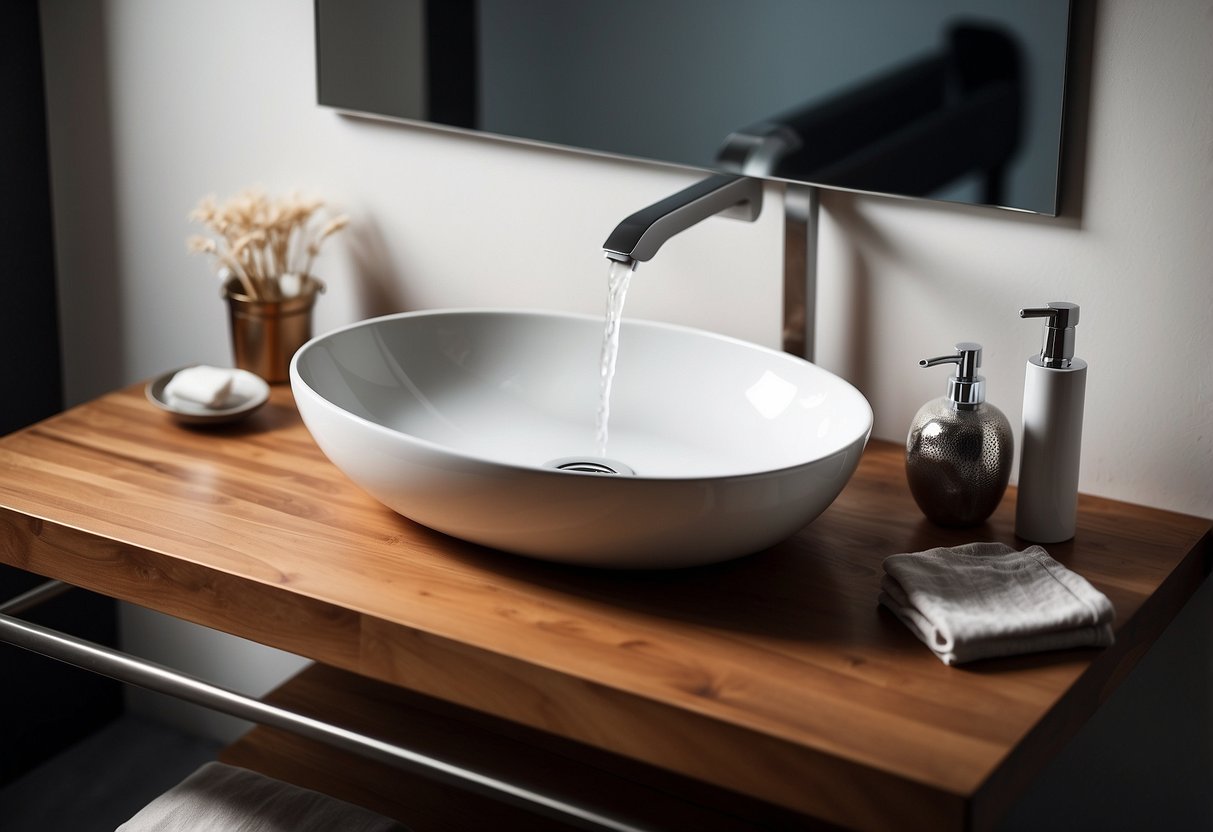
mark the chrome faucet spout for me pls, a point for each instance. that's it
(639, 236)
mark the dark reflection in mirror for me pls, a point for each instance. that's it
(958, 100)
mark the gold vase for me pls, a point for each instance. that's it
(267, 333)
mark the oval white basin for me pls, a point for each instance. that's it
(455, 419)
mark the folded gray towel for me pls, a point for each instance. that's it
(222, 798)
(985, 599)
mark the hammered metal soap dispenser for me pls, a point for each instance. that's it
(960, 447)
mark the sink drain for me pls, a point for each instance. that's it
(596, 465)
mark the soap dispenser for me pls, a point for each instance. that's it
(960, 447)
(1046, 509)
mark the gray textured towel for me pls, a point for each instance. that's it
(985, 599)
(222, 798)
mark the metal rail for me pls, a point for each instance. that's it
(34, 597)
(142, 673)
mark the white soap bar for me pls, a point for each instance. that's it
(207, 386)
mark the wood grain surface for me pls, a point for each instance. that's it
(775, 676)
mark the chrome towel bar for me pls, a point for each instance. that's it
(34, 597)
(135, 671)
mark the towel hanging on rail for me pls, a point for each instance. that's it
(223, 798)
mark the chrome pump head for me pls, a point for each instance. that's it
(966, 389)
(1058, 348)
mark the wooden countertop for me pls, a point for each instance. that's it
(776, 676)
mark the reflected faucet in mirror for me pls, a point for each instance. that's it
(639, 236)
(914, 130)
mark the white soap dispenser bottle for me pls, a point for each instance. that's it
(1054, 391)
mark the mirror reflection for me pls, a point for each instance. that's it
(957, 100)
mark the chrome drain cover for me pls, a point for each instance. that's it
(590, 465)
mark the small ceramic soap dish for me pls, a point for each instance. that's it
(248, 393)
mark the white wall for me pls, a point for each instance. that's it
(154, 104)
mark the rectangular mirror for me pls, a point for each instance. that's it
(957, 100)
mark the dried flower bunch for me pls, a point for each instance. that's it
(268, 244)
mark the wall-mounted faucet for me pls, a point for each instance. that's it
(948, 113)
(639, 236)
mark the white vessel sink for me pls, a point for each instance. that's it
(456, 419)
